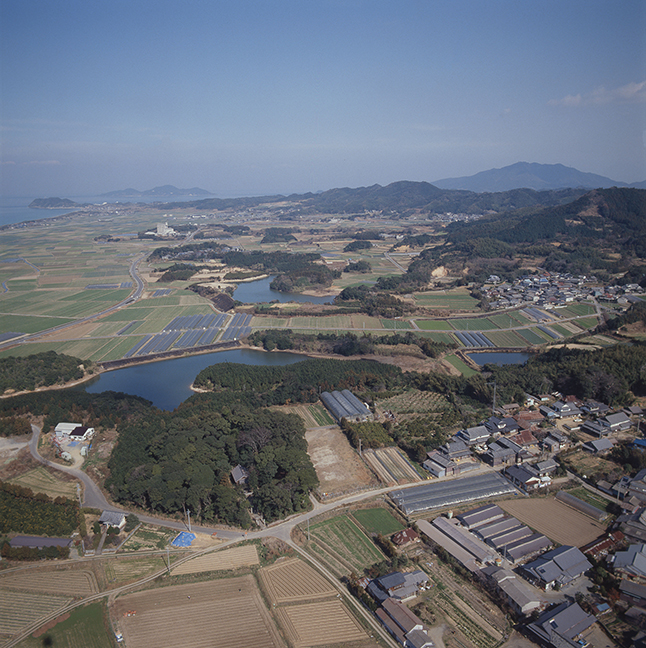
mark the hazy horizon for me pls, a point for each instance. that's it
(260, 98)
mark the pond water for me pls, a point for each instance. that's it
(168, 383)
(501, 358)
(258, 291)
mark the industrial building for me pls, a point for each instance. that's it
(345, 405)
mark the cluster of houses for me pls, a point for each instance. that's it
(515, 439)
(553, 289)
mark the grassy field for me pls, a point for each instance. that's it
(86, 627)
(583, 494)
(464, 369)
(433, 325)
(506, 339)
(587, 322)
(455, 300)
(473, 324)
(41, 481)
(377, 520)
(343, 538)
(532, 336)
(577, 310)
(397, 325)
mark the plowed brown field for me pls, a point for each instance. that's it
(220, 560)
(558, 522)
(293, 580)
(74, 583)
(319, 624)
(214, 614)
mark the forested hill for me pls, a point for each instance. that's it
(399, 197)
(614, 213)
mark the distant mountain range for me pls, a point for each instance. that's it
(532, 175)
(165, 191)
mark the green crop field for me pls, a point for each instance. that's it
(560, 329)
(533, 336)
(506, 339)
(86, 627)
(508, 320)
(320, 415)
(342, 537)
(433, 325)
(437, 336)
(577, 310)
(458, 300)
(377, 520)
(464, 369)
(587, 322)
(473, 324)
(397, 325)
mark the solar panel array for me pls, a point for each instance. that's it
(238, 327)
(474, 339)
(188, 331)
(126, 284)
(102, 286)
(162, 292)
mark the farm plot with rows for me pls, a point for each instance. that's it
(558, 522)
(41, 481)
(319, 624)
(391, 466)
(377, 520)
(506, 339)
(19, 610)
(345, 541)
(413, 402)
(122, 569)
(293, 581)
(214, 614)
(313, 415)
(66, 582)
(220, 560)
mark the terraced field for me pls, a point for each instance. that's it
(67, 582)
(19, 610)
(319, 624)
(290, 581)
(220, 560)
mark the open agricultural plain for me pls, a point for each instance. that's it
(80, 294)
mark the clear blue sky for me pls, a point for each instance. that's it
(244, 97)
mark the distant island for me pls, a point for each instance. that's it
(163, 192)
(54, 203)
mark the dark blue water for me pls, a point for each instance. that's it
(502, 358)
(168, 383)
(257, 292)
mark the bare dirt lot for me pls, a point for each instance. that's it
(337, 465)
(214, 614)
(558, 522)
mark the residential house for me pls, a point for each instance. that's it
(240, 475)
(405, 538)
(524, 477)
(455, 450)
(559, 566)
(401, 586)
(407, 628)
(526, 440)
(565, 410)
(631, 564)
(618, 422)
(474, 435)
(599, 446)
(561, 626)
(520, 596)
(439, 465)
(113, 519)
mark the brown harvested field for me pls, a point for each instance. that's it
(67, 582)
(20, 609)
(214, 614)
(288, 581)
(337, 465)
(220, 560)
(558, 522)
(319, 624)
(40, 480)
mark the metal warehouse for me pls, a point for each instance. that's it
(346, 405)
(451, 493)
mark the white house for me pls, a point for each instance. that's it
(74, 431)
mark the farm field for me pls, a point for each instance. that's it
(391, 466)
(123, 569)
(473, 324)
(319, 624)
(342, 538)
(68, 582)
(377, 520)
(220, 560)
(506, 339)
(413, 402)
(433, 325)
(558, 522)
(294, 581)
(337, 464)
(532, 336)
(214, 614)
(41, 481)
(460, 365)
(438, 336)
(84, 627)
(19, 610)
(454, 300)
(313, 415)
(577, 310)
(149, 537)
(397, 325)
(587, 322)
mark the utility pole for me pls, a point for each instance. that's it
(188, 513)
(493, 410)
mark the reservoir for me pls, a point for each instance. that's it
(502, 358)
(256, 292)
(168, 383)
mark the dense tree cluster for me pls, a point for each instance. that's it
(171, 461)
(27, 553)
(362, 267)
(39, 370)
(22, 511)
(178, 272)
(14, 426)
(278, 235)
(360, 244)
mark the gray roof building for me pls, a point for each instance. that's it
(481, 515)
(521, 597)
(560, 566)
(632, 562)
(561, 626)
